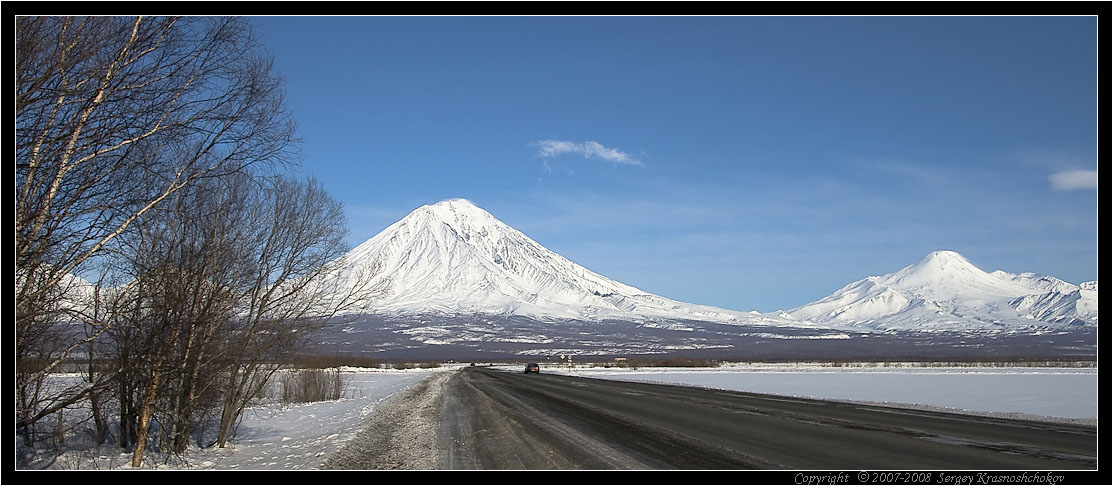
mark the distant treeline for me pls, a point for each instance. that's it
(321, 361)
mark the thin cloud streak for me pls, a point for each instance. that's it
(589, 150)
(1072, 180)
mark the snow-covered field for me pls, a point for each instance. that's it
(303, 436)
(273, 436)
(1070, 393)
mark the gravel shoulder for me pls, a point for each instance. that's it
(401, 434)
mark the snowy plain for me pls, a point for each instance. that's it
(1036, 392)
(299, 437)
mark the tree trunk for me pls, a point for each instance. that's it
(98, 419)
(95, 403)
(145, 417)
(228, 415)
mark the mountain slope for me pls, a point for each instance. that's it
(1069, 305)
(455, 258)
(944, 291)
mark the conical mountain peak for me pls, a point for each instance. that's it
(456, 202)
(453, 210)
(450, 219)
(944, 257)
(454, 257)
(939, 266)
(942, 265)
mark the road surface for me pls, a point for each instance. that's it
(481, 418)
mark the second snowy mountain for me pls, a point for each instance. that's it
(945, 292)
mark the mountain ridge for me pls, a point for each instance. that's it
(460, 284)
(454, 258)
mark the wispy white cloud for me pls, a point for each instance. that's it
(1071, 180)
(550, 167)
(921, 173)
(589, 150)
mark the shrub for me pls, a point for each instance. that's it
(312, 385)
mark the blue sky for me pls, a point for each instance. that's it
(752, 163)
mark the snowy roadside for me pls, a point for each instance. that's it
(303, 436)
(401, 434)
(271, 436)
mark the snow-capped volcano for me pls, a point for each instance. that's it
(944, 291)
(453, 257)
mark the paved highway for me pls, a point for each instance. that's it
(491, 419)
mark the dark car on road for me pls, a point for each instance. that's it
(533, 368)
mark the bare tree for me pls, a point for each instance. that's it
(113, 116)
(144, 152)
(187, 260)
(294, 289)
(229, 282)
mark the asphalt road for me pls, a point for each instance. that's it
(492, 419)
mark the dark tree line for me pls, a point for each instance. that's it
(151, 153)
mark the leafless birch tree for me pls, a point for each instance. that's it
(113, 116)
(231, 280)
(146, 152)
